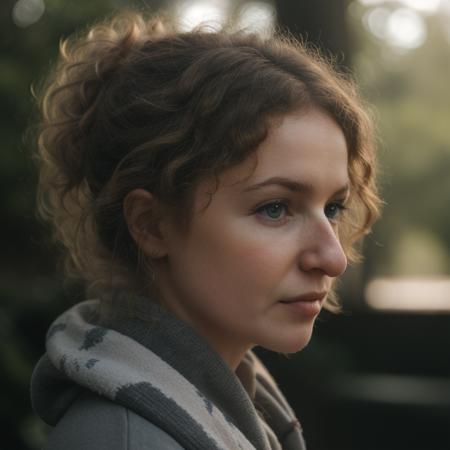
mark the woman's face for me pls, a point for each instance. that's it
(256, 264)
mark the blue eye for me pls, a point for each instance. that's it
(333, 210)
(273, 211)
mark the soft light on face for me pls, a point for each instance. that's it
(268, 237)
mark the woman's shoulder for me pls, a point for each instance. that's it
(94, 422)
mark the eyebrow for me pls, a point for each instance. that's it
(291, 185)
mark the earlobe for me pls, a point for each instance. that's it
(143, 217)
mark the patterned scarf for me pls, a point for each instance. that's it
(123, 370)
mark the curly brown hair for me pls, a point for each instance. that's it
(134, 104)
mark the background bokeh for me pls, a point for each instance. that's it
(375, 377)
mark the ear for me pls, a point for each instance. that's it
(144, 219)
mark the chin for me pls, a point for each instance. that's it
(291, 343)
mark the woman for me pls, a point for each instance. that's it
(209, 188)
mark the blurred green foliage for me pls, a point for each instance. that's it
(410, 93)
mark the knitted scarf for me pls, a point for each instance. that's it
(123, 370)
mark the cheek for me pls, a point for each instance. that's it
(241, 259)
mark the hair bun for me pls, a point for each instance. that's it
(68, 101)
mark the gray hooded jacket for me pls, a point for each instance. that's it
(153, 383)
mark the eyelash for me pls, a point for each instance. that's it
(339, 205)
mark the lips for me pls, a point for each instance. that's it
(308, 298)
(306, 306)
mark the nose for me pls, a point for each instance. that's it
(323, 251)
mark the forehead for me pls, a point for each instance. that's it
(305, 146)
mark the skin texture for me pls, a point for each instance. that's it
(249, 248)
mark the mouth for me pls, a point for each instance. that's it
(309, 297)
(308, 304)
